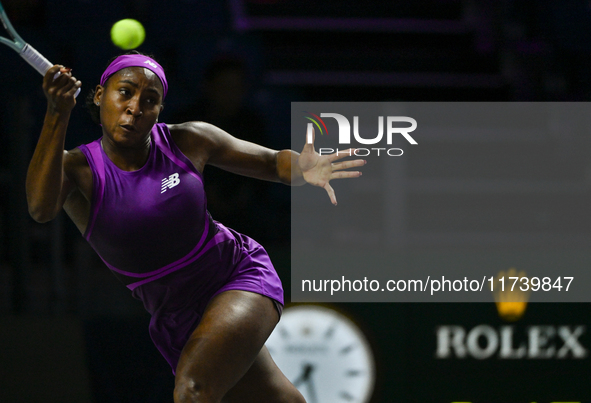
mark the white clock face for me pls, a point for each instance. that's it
(324, 354)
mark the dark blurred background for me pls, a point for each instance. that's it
(71, 333)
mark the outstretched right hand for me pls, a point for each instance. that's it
(60, 91)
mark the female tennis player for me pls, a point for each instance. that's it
(136, 194)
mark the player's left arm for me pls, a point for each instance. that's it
(204, 143)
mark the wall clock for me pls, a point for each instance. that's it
(324, 354)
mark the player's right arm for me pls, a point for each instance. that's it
(48, 184)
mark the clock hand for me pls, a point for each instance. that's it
(305, 377)
(311, 388)
(307, 369)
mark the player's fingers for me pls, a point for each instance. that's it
(53, 70)
(65, 83)
(336, 166)
(75, 88)
(342, 154)
(310, 136)
(61, 71)
(331, 194)
(62, 79)
(63, 75)
(345, 175)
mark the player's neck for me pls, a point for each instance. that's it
(127, 158)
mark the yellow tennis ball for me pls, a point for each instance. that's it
(128, 34)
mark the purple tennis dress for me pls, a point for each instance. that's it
(152, 229)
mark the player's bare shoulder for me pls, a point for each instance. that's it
(78, 171)
(192, 133)
(79, 188)
(196, 140)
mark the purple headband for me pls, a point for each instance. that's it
(125, 61)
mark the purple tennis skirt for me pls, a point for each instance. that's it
(177, 301)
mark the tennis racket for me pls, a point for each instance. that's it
(26, 51)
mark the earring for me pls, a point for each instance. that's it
(97, 103)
